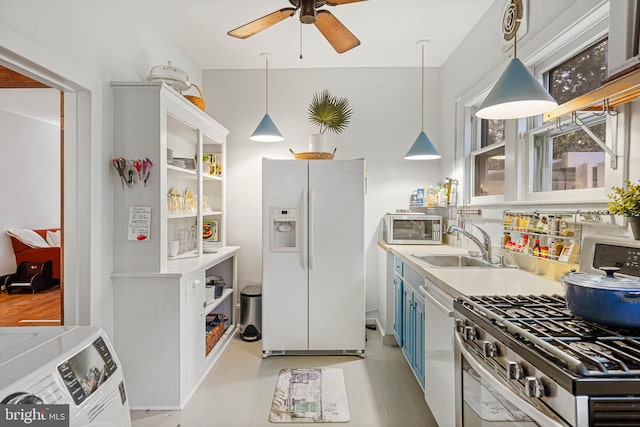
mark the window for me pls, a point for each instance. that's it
(580, 74)
(488, 158)
(568, 158)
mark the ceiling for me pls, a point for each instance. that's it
(388, 31)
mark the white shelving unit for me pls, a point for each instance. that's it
(161, 329)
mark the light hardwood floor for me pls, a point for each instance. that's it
(381, 390)
(28, 309)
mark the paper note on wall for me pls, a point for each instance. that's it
(139, 223)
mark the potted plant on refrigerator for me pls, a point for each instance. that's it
(626, 201)
(330, 113)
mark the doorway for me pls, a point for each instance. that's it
(32, 114)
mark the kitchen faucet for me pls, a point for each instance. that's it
(485, 247)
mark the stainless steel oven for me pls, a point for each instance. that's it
(486, 396)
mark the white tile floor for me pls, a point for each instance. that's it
(381, 390)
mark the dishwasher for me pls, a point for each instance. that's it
(439, 371)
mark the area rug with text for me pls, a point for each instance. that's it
(315, 395)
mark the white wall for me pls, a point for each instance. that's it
(30, 170)
(84, 46)
(385, 122)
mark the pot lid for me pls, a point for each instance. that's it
(175, 77)
(598, 281)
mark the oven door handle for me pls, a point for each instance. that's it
(522, 404)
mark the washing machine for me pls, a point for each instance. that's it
(72, 367)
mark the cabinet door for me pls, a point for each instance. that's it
(193, 329)
(407, 322)
(418, 337)
(398, 305)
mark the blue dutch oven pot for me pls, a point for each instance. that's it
(609, 300)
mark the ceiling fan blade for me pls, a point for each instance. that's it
(336, 34)
(339, 2)
(263, 23)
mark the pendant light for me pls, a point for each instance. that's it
(422, 148)
(517, 93)
(266, 130)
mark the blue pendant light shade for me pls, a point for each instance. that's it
(267, 131)
(516, 94)
(422, 148)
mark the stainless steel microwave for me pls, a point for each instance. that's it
(412, 229)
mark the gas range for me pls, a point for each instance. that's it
(526, 360)
(568, 370)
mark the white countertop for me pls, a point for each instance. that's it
(474, 281)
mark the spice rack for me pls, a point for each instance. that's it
(553, 235)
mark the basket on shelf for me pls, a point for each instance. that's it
(198, 101)
(312, 155)
(213, 337)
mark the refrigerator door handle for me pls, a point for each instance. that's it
(311, 260)
(302, 230)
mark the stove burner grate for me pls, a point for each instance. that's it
(545, 325)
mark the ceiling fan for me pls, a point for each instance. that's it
(333, 30)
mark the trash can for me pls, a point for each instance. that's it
(251, 313)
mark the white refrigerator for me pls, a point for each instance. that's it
(313, 289)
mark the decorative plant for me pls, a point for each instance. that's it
(625, 200)
(329, 112)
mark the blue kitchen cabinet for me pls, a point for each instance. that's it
(397, 303)
(409, 316)
(407, 322)
(418, 337)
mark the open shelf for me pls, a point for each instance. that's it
(213, 305)
(181, 215)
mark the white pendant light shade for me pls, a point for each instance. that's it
(422, 149)
(266, 131)
(516, 94)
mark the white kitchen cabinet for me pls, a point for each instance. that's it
(153, 121)
(160, 328)
(160, 304)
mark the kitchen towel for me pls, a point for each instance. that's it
(316, 395)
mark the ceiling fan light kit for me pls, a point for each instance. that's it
(422, 148)
(338, 36)
(517, 93)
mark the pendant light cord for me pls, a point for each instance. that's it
(422, 74)
(266, 68)
(515, 30)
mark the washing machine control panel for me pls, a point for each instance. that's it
(86, 371)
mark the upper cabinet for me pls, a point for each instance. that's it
(185, 191)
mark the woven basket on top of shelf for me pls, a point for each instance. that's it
(198, 101)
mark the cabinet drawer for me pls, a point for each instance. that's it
(398, 265)
(412, 278)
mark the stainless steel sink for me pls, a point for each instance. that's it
(454, 261)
